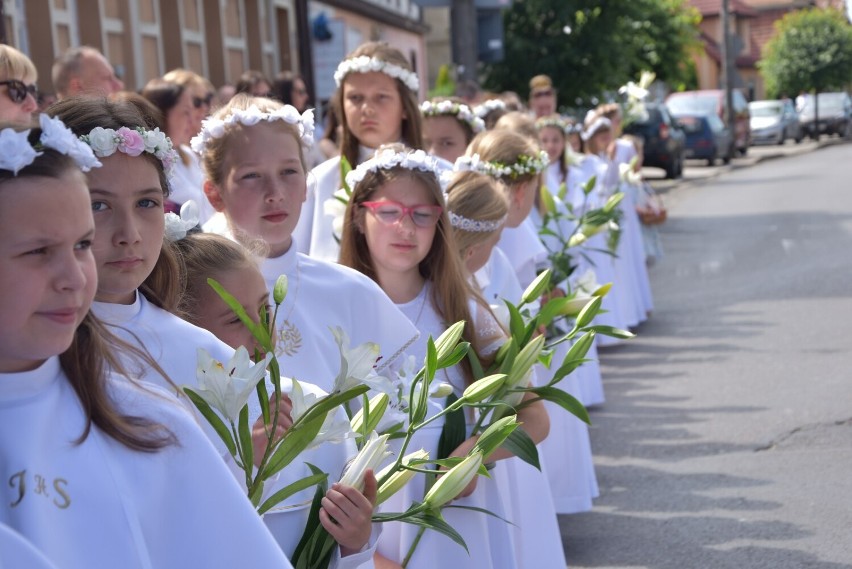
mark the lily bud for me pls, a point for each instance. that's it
(441, 390)
(280, 290)
(589, 311)
(483, 388)
(453, 482)
(400, 478)
(369, 458)
(577, 239)
(378, 406)
(525, 360)
(446, 342)
(537, 287)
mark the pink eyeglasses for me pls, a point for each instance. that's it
(390, 212)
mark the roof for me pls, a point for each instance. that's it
(714, 7)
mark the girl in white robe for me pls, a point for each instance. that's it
(100, 473)
(377, 95)
(397, 232)
(206, 255)
(256, 180)
(477, 211)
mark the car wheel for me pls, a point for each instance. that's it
(671, 171)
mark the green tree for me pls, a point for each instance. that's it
(811, 51)
(592, 46)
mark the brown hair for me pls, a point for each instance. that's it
(540, 82)
(554, 122)
(476, 197)
(251, 79)
(203, 256)
(82, 114)
(412, 126)
(93, 349)
(215, 150)
(442, 266)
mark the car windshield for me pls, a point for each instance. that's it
(693, 104)
(765, 110)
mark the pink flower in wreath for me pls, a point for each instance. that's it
(131, 142)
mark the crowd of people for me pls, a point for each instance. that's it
(394, 221)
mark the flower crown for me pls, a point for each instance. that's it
(594, 127)
(475, 225)
(366, 64)
(560, 123)
(387, 158)
(213, 127)
(16, 152)
(452, 109)
(177, 226)
(488, 106)
(133, 142)
(524, 166)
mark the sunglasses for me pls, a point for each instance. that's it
(389, 213)
(206, 100)
(18, 90)
(539, 94)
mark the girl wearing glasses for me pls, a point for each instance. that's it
(254, 161)
(377, 94)
(18, 91)
(397, 232)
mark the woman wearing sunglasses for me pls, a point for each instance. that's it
(18, 91)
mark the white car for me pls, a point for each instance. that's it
(773, 122)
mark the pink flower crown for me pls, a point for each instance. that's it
(133, 142)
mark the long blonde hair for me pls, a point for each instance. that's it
(475, 197)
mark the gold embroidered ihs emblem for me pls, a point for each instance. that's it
(289, 339)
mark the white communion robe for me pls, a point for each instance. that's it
(566, 452)
(524, 250)
(187, 183)
(100, 504)
(525, 489)
(488, 539)
(18, 553)
(322, 295)
(613, 303)
(173, 342)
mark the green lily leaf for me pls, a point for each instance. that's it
(521, 445)
(260, 333)
(212, 418)
(614, 332)
(244, 431)
(564, 400)
(291, 489)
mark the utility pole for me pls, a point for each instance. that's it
(463, 27)
(727, 75)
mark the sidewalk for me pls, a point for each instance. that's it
(697, 171)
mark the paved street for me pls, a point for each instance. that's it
(726, 438)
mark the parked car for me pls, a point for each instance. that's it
(707, 138)
(834, 112)
(774, 122)
(664, 141)
(712, 101)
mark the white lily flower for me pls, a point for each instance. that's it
(587, 282)
(226, 387)
(573, 158)
(335, 428)
(628, 175)
(406, 374)
(356, 365)
(370, 457)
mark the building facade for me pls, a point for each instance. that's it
(219, 39)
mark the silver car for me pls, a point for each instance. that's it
(773, 122)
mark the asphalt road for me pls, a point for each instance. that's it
(726, 438)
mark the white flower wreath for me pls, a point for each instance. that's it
(483, 109)
(366, 64)
(213, 127)
(16, 152)
(177, 226)
(387, 158)
(525, 165)
(133, 142)
(452, 109)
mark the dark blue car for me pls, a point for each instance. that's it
(707, 138)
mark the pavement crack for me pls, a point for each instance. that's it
(808, 427)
